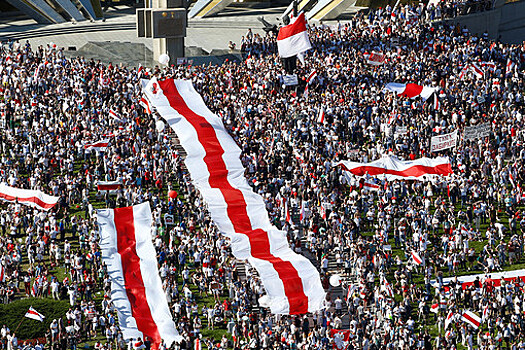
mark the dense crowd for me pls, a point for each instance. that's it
(471, 222)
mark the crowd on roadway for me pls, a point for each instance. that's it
(471, 222)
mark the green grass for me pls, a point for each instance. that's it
(12, 315)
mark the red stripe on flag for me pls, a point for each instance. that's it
(412, 90)
(134, 284)
(108, 187)
(471, 319)
(100, 144)
(296, 27)
(237, 212)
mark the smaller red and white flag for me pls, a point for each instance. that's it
(449, 319)
(485, 314)
(302, 214)
(311, 77)
(114, 115)
(434, 308)
(97, 146)
(309, 80)
(436, 104)
(463, 71)
(496, 85)
(293, 38)
(323, 211)
(471, 318)
(287, 212)
(340, 338)
(511, 178)
(145, 103)
(416, 258)
(2, 273)
(109, 185)
(321, 116)
(371, 185)
(510, 67)
(490, 65)
(35, 315)
(375, 58)
(492, 46)
(392, 117)
(478, 72)
(388, 288)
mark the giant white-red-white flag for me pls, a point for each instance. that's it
(411, 90)
(391, 168)
(33, 198)
(293, 38)
(136, 288)
(291, 281)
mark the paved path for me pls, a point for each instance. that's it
(211, 33)
(119, 26)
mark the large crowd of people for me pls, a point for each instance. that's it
(470, 222)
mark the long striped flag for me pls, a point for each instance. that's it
(291, 281)
(136, 288)
(33, 198)
(392, 168)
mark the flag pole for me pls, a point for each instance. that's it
(19, 323)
